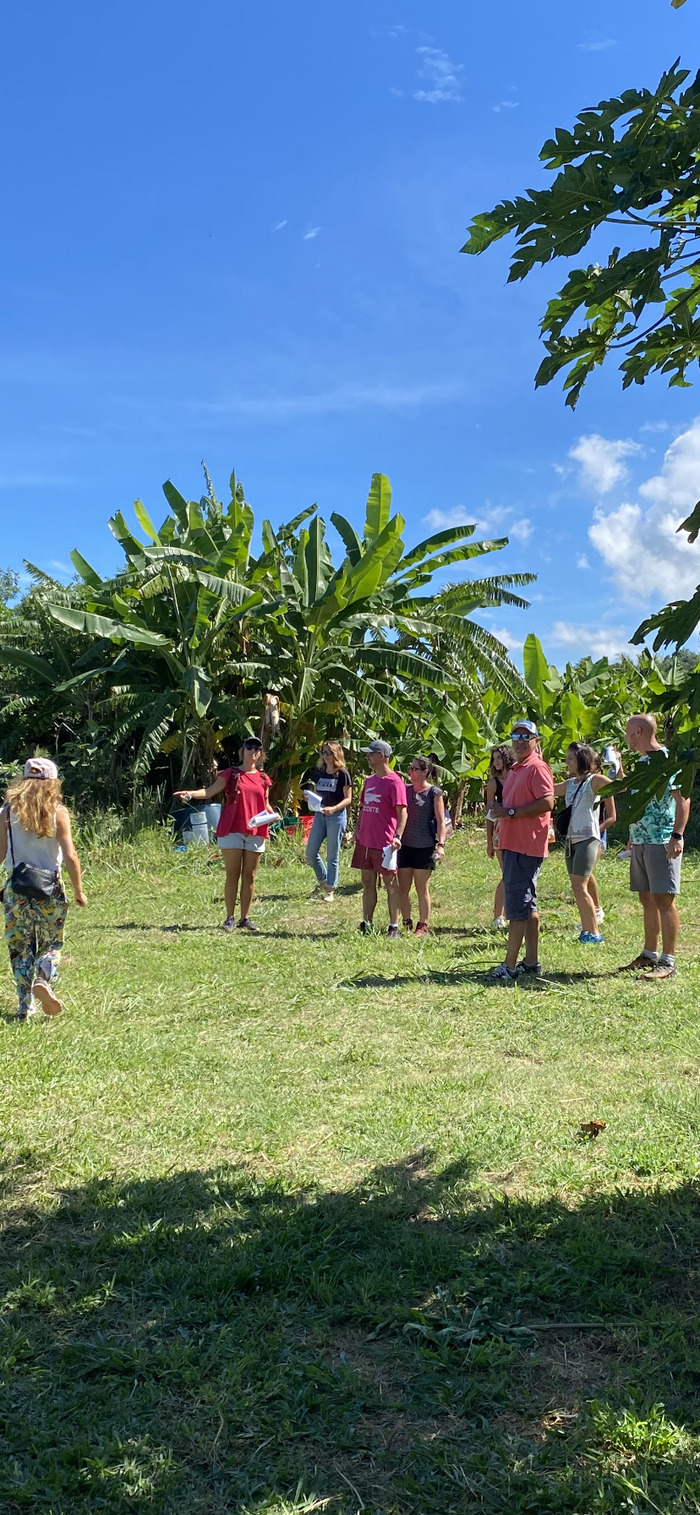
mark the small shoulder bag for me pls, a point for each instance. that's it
(562, 821)
(29, 882)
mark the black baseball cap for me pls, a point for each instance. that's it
(252, 742)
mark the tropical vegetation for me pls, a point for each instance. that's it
(149, 674)
(630, 161)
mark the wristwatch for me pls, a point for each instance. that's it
(676, 836)
(511, 812)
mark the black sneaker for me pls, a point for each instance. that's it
(245, 924)
(408, 925)
(365, 928)
(534, 969)
(393, 932)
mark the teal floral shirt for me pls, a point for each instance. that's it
(659, 818)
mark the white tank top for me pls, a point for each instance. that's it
(40, 851)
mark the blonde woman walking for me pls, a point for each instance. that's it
(35, 838)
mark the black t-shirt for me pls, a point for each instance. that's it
(328, 786)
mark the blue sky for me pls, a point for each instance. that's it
(232, 234)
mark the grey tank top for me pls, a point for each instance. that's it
(420, 825)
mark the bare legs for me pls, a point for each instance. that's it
(586, 907)
(369, 895)
(517, 930)
(240, 867)
(498, 901)
(660, 916)
(421, 878)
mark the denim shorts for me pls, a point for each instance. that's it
(519, 884)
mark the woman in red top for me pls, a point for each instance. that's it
(245, 792)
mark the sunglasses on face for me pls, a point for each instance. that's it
(522, 736)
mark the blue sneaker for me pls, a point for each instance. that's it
(587, 937)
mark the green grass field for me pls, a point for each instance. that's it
(306, 1221)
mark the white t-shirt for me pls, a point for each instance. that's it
(585, 822)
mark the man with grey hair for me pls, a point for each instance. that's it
(657, 850)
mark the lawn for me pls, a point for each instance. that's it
(307, 1221)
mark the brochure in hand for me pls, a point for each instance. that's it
(313, 801)
(263, 818)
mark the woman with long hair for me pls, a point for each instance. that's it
(331, 781)
(245, 790)
(35, 838)
(422, 841)
(581, 790)
(502, 760)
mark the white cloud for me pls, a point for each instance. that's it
(649, 559)
(313, 232)
(346, 398)
(514, 644)
(505, 105)
(590, 641)
(582, 561)
(655, 426)
(440, 520)
(598, 46)
(441, 74)
(601, 461)
(497, 520)
(279, 225)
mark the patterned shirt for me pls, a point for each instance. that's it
(659, 818)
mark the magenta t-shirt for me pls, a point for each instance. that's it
(380, 796)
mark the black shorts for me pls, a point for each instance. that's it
(519, 884)
(417, 857)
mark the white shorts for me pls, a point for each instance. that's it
(245, 842)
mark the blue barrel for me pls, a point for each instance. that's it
(213, 815)
(191, 825)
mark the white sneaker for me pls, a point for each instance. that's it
(600, 914)
(328, 897)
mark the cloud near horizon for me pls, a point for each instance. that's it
(650, 560)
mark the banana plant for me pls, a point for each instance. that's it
(177, 616)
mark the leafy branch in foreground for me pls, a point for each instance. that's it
(631, 161)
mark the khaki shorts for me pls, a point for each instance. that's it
(581, 857)
(652, 871)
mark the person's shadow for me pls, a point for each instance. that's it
(220, 1341)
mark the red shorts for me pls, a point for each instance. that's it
(370, 859)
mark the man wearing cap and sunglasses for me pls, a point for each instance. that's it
(383, 813)
(528, 799)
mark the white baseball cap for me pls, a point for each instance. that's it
(40, 768)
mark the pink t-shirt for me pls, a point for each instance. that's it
(380, 796)
(523, 783)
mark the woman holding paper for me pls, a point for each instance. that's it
(329, 793)
(245, 790)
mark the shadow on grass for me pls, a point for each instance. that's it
(218, 1342)
(212, 930)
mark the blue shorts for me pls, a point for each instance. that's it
(519, 884)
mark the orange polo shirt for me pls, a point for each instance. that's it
(524, 782)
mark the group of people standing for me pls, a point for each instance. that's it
(400, 837)
(400, 834)
(522, 793)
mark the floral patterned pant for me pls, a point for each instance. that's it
(34, 936)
